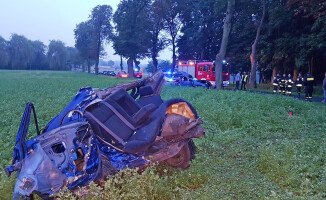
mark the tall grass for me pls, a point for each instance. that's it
(253, 148)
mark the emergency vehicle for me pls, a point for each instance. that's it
(204, 70)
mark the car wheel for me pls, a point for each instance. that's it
(181, 159)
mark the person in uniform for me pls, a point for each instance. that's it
(237, 81)
(299, 84)
(282, 84)
(244, 79)
(289, 83)
(309, 82)
(275, 83)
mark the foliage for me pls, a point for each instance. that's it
(163, 65)
(158, 42)
(20, 51)
(100, 19)
(85, 42)
(251, 151)
(132, 28)
(129, 184)
(4, 57)
(202, 29)
(57, 55)
(170, 11)
(39, 60)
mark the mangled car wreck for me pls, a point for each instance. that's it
(101, 132)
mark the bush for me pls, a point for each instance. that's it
(128, 184)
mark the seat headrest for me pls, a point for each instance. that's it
(146, 90)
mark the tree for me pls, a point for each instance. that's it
(20, 51)
(253, 58)
(132, 31)
(39, 60)
(102, 29)
(225, 38)
(172, 23)
(157, 24)
(74, 59)
(163, 65)
(86, 43)
(111, 63)
(4, 56)
(201, 24)
(57, 55)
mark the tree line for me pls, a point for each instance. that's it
(271, 36)
(284, 36)
(20, 53)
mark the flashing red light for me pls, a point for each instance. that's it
(227, 74)
(180, 63)
(191, 63)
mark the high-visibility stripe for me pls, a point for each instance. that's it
(275, 84)
(289, 85)
(310, 79)
(299, 85)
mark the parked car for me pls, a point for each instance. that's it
(138, 74)
(123, 74)
(188, 80)
(109, 73)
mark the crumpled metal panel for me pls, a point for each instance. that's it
(38, 173)
(121, 160)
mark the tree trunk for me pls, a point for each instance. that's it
(202, 53)
(131, 67)
(88, 66)
(274, 73)
(225, 38)
(98, 53)
(253, 58)
(121, 65)
(155, 62)
(155, 50)
(174, 57)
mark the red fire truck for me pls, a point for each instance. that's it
(204, 70)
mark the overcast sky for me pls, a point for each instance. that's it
(47, 20)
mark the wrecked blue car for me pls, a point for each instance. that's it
(101, 132)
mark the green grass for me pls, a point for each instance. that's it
(252, 149)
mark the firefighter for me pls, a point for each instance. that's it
(275, 82)
(289, 83)
(282, 84)
(299, 84)
(309, 82)
(244, 79)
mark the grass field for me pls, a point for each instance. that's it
(253, 148)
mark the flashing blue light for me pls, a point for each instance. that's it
(136, 70)
(168, 72)
(224, 61)
(170, 79)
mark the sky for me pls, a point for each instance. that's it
(47, 20)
